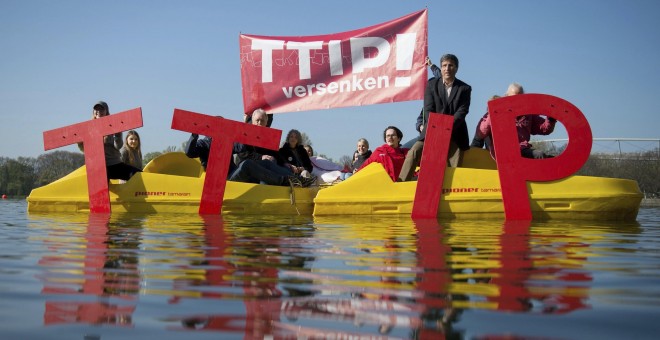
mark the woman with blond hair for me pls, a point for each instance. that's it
(131, 152)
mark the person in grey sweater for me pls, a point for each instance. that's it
(115, 168)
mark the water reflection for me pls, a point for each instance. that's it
(252, 257)
(540, 268)
(100, 267)
(327, 277)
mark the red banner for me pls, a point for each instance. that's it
(383, 63)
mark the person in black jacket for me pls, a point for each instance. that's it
(295, 156)
(446, 95)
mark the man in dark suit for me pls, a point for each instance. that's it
(446, 95)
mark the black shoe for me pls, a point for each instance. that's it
(477, 143)
(295, 181)
(307, 181)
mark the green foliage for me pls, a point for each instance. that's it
(305, 139)
(151, 155)
(548, 147)
(17, 176)
(346, 160)
(55, 165)
(642, 167)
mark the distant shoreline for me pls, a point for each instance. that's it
(650, 202)
(646, 202)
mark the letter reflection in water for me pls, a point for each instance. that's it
(433, 282)
(521, 267)
(217, 278)
(242, 268)
(107, 279)
(527, 259)
(332, 278)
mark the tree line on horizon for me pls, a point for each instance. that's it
(20, 175)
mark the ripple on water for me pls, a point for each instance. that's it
(323, 277)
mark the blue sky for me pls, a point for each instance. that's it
(57, 58)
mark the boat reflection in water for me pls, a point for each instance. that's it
(102, 266)
(298, 277)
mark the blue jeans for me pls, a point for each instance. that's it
(250, 171)
(274, 167)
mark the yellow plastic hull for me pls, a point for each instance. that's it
(172, 183)
(475, 193)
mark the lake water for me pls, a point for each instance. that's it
(79, 276)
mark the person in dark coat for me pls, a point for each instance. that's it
(446, 95)
(294, 154)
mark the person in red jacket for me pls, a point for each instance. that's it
(526, 126)
(391, 155)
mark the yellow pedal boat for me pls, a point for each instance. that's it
(172, 183)
(473, 192)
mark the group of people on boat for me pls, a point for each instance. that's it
(123, 157)
(449, 95)
(290, 165)
(294, 164)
